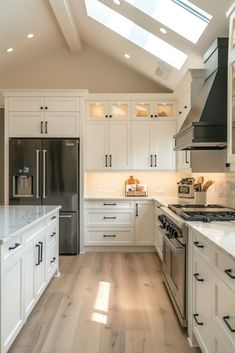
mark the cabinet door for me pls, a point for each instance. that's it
(120, 110)
(164, 110)
(143, 110)
(183, 160)
(12, 305)
(62, 104)
(97, 110)
(26, 104)
(141, 145)
(29, 279)
(40, 271)
(27, 124)
(202, 305)
(120, 145)
(144, 223)
(163, 145)
(60, 124)
(96, 145)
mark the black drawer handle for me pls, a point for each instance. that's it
(198, 245)
(109, 217)
(53, 217)
(53, 260)
(197, 278)
(38, 261)
(226, 318)
(14, 247)
(41, 248)
(109, 236)
(53, 234)
(109, 204)
(197, 322)
(229, 273)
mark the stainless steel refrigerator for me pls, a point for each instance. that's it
(46, 172)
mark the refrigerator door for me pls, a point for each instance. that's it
(60, 177)
(69, 238)
(24, 171)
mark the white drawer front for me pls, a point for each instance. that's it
(224, 310)
(202, 246)
(112, 204)
(12, 247)
(109, 218)
(110, 237)
(226, 267)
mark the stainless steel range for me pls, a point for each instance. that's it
(175, 239)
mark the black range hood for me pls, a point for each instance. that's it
(205, 126)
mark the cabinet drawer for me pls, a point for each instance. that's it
(224, 310)
(52, 233)
(52, 218)
(112, 204)
(202, 246)
(117, 218)
(51, 259)
(109, 237)
(226, 267)
(12, 247)
(25, 104)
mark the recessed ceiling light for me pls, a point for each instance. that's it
(127, 56)
(163, 30)
(30, 35)
(9, 50)
(117, 2)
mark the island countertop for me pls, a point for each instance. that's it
(15, 219)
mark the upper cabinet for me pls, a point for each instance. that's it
(231, 92)
(43, 113)
(149, 110)
(104, 110)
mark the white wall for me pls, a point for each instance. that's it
(91, 69)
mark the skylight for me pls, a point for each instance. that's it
(134, 33)
(181, 16)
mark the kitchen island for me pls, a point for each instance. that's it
(29, 258)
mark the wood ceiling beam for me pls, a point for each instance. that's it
(64, 15)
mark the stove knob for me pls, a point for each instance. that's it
(175, 233)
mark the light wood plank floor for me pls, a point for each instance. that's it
(104, 303)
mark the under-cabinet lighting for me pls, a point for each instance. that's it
(127, 56)
(9, 50)
(30, 35)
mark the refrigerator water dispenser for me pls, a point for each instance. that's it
(22, 185)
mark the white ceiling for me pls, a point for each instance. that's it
(56, 22)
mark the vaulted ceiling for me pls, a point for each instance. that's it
(59, 22)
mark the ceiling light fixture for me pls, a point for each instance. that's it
(117, 2)
(30, 35)
(163, 30)
(127, 56)
(9, 50)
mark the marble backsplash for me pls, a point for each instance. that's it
(230, 189)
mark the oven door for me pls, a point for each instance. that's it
(174, 271)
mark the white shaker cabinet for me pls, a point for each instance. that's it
(108, 145)
(144, 223)
(106, 110)
(141, 145)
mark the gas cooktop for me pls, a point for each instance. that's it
(205, 213)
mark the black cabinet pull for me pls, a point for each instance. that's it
(151, 160)
(41, 107)
(110, 116)
(110, 160)
(229, 273)
(46, 108)
(109, 236)
(109, 204)
(38, 260)
(41, 252)
(226, 318)
(106, 160)
(155, 159)
(53, 217)
(53, 260)
(136, 210)
(186, 157)
(180, 112)
(197, 278)
(112, 217)
(198, 245)
(185, 107)
(41, 127)
(53, 234)
(155, 115)
(14, 247)
(46, 127)
(197, 322)
(106, 116)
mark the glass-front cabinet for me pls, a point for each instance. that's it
(148, 110)
(103, 110)
(231, 93)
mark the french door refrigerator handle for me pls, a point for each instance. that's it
(37, 173)
(44, 175)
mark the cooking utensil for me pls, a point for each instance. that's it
(207, 185)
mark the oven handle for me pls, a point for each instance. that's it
(176, 250)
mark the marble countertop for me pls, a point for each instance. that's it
(15, 219)
(221, 234)
(163, 200)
